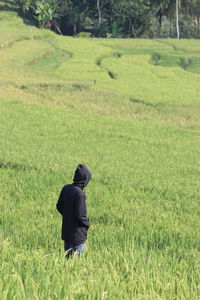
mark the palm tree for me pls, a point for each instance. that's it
(177, 18)
(46, 14)
(169, 8)
(186, 4)
(163, 8)
(99, 12)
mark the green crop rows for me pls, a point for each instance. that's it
(128, 109)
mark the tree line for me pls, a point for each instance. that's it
(116, 18)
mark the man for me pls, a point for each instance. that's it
(72, 206)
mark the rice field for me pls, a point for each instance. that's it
(129, 109)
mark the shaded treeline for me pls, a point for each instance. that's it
(116, 18)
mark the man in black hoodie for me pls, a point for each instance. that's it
(72, 206)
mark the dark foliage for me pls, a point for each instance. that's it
(115, 18)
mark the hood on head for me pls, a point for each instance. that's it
(82, 176)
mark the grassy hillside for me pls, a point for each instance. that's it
(129, 110)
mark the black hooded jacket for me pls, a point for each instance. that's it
(72, 206)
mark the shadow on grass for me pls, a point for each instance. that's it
(143, 102)
(10, 6)
(100, 59)
(15, 166)
(55, 86)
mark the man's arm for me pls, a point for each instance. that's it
(59, 204)
(81, 210)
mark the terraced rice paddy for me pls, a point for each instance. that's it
(129, 110)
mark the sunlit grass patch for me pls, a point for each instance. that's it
(49, 61)
(138, 222)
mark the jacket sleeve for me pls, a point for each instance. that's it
(81, 210)
(59, 204)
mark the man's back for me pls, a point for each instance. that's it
(72, 206)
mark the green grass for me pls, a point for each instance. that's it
(138, 133)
